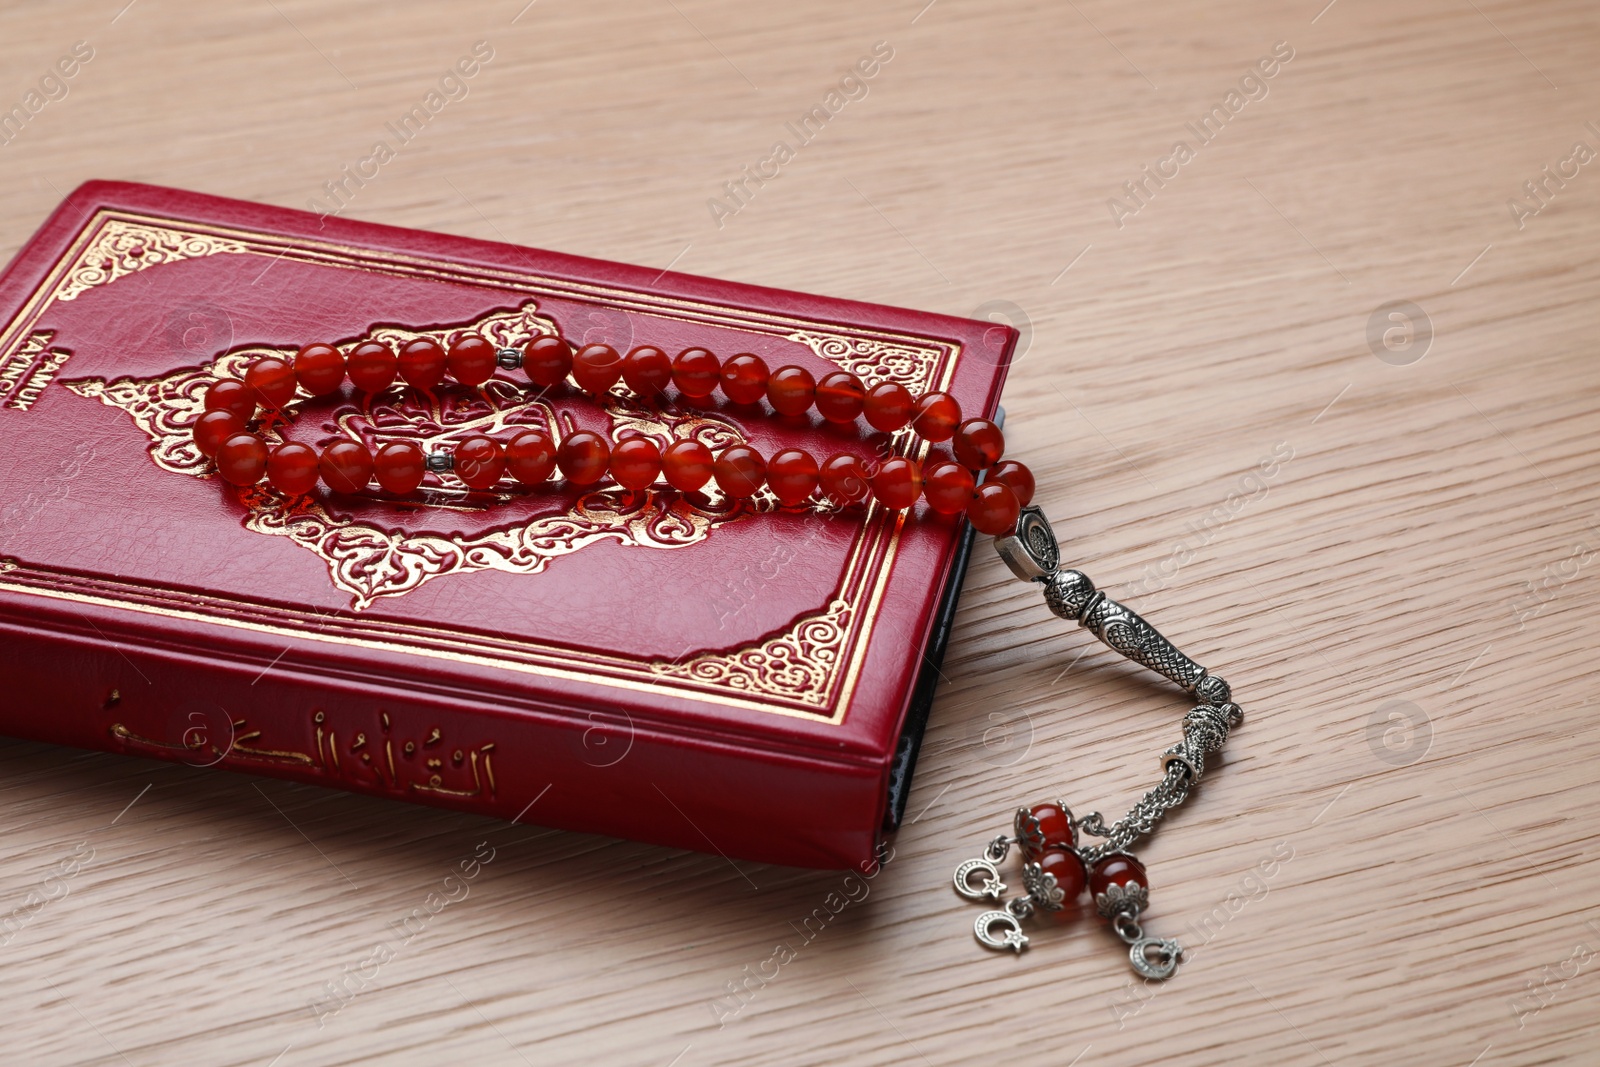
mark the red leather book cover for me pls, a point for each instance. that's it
(675, 668)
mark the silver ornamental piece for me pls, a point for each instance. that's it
(1030, 550)
(1013, 937)
(991, 888)
(1155, 957)
(1132, 898)
(1042, 888)
(1032, 554)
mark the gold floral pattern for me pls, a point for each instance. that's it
(797, 663)
(123, 248)
(875, 361)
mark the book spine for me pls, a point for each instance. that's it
(87, 690)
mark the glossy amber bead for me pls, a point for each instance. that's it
(844, 479)
(584, 455)
(242, 459)
(531, 456)
(1119, 868)
(422, 362)
(647, 370)
(840, 397)
(345, 466)
(596, 368)
(399, 467)
(547, 360)
(935, 417)
(234, 396)
(897, 483)
(372, 366)
(635, 462)
(793, 475)
(994, 509)
(696, 372)
(687, 465)
(292, 468)
(319, 368)
(479, 460)
(214, 427)
(978, 444)
(1018, 477)
(1056, 827)
(744, 378)
(790, 390)
(948, 488)
(1067, 866)
(740, 471)
(888, 407)
(273, 381)
(472, 360)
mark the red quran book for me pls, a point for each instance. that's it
(676, 668)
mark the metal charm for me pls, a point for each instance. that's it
(992, 888)
(1013, 938)
(1154, 957)
(1030, 550)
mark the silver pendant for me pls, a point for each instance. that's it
(992, 888)
(1013, 938)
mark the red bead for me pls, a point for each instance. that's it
(547, 360)
(1119, 868)
(897, 483)
(888, 407)
(584, 455)
(687, 465)
(936, 417)
(647, 371)
(292, 468)
(479, 460)
(744, 378)
(948, 488)
(840, 397)
(471, 360)
(273, 381)
(1055, 827)
(1067, 866)
(242, 459)
(790, 390)
(346, 466)
(399, 467)
(793, 475)
(596, 368)
(319, 369)
(531, 456)
(422, 362)
(635, 462)
(994, 509)
(372, 366)
(978, 444)
(214, 427)
(844, 479)
(1018, 477)
(229, 395)
(740, 471)
(696, 372)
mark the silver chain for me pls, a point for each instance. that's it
(1141, 818)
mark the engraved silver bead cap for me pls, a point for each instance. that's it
(1030, 550)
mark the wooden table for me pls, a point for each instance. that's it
(1318, 397)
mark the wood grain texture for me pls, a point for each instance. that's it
(1428, 534)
